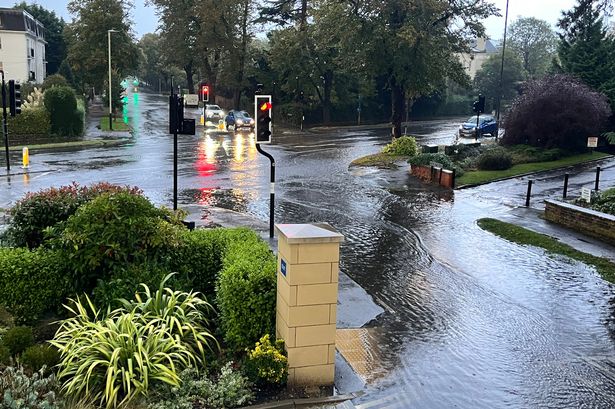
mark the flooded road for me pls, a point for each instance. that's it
(470, 321)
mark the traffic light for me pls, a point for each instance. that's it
(205, 93)
(14, 97)
(262, 113)
(479, 106)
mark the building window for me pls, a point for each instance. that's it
(32, 76)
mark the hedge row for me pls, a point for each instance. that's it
(31, 122)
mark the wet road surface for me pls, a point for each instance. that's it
(470, 321)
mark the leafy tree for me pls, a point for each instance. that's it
(535, 43)
(556, 112)
(54, 25)
(487, 80)
(87, 40)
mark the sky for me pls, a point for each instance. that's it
(549, 10)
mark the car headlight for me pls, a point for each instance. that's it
(239, 122)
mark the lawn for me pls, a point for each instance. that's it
(521, 235)
(380, 160)
(485, 176)
(118, 125)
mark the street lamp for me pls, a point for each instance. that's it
(109, 96)
(500, 91)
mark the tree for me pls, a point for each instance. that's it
(535, 43)
(556, 112)
(54, 26)
(487, 80)
(86, 37)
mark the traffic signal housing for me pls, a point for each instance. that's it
(479, 106)
(14, 97)
(205, 93)
(262, 114)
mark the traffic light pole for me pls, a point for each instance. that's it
(272, 187)
(5, 128)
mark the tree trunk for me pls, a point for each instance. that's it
(326, 103)
(189, 80)
(398, 100)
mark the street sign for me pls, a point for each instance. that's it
(592, 142)
(586, 194)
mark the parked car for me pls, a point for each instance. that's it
(239, 120)
(213, 112)
(487, 125)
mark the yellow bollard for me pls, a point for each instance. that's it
(202, 120)
(221, 125)
(25, 155)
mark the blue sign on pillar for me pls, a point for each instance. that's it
(283, 267)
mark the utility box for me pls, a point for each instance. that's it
(430, 148)
(306, 309)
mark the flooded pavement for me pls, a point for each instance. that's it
(469, 321)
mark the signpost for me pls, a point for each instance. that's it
(586, 194)
(592, 142)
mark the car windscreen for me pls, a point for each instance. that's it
(213, 107)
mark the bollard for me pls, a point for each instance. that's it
(25, 157)
(529, 193)
(566, 176)
(596, 187)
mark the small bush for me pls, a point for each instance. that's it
(605, 202)
(495, 159)
(31, 282)
(530, 154)
(21, 391)
(426, 159)
(17, 339)
(55, 80)
(31, 122)
(402, 146)
(61, 103)
(5, 355)
(266, 364)
(38, 356)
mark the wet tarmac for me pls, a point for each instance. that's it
(469, 321)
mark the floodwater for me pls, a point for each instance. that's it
(470, 321)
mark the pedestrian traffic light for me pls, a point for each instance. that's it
(262, 113)
(205, 93)
(14, 97)
(479, 106)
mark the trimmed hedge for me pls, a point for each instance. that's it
(31, 122)
(32, 282)
(495, 159)
(61, 103)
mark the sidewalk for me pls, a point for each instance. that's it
(96, 111)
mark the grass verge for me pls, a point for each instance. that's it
(485, 176)
(380, 160)
(118, 125)
(521, 235)
(72, 144)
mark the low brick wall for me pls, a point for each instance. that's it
(587, 221)
(439, 176)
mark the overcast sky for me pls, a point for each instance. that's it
(549, 10)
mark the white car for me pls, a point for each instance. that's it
(213, 113)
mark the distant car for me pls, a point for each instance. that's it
(213, 112)
(239, 120)
(487, 125)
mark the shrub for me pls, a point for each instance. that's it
(17, 339)
(495, 159)
(557, 111)
(61, 103)
(403, 146)
(31, 122)
(112, 232)
(20, 391)
(530, 154)
(5, 355)
(38, 357)
(231, 390)
(55, 80)
(605, 202)
(426, 159)
(31, 215)
(31, 282)
(246, 288)
(266, 363)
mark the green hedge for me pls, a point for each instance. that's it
(61, 103)
(31, 282)
(31, 122)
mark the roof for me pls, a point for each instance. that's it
(20, 20)
(490, 46)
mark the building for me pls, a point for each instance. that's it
(22, 46)
(480, 50)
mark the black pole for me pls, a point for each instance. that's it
(597, 178)
(477, 121)
(5, 127)
(529, 193)
(501, 73)
(453, 182)
(272, 188)
(566, 176)
(175, 170)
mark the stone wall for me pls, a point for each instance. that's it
(587, 221)
(442, 177)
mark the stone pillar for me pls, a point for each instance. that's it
(307, 280)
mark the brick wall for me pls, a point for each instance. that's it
(442, 177)
(587, 221)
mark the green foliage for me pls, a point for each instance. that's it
(605, 202)
(230, 390)
(487, 79)
(495, 159)
(534, 41)
(40, 357)
(31, 282)
(112, 232)
(61, 103)
(266, 364)
(115, 357)
(610, 137)
(21, 391)
(55, 80)
(17, 339)
(403, 146)
(5, 355)
(31, 122)
(31, 215)
(246, 288)
(425, 159)
(531, 154)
